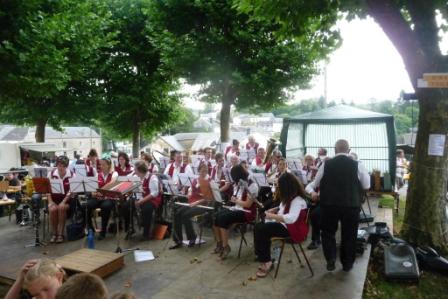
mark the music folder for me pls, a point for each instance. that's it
(80, 184)
(42, 185)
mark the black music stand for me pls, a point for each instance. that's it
(132, 199)
(83, 185)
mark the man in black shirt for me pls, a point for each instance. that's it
(341, 181)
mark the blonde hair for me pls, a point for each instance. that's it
(43, 268)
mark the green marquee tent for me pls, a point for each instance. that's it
(371, 135)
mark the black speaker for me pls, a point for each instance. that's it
(400, 263)
(430, 259)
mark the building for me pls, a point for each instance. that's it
(73, 140)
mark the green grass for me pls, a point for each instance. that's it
(431, 286)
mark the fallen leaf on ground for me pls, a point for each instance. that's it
(128, 284)
(252, 278)
(244, 283)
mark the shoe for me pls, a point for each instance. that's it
(347, 268)
(175, 246)
(225, 252)
(313, 245)
(191, 243)
(331, 266)
(218, 248)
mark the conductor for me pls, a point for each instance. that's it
(342, 181)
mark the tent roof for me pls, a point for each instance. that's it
(340, 112)
(172, 142)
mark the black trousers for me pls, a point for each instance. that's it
(349, 217)
(146, 212)
(263, 233)
(182, 217)
(225, 218)
(315, 219)
(106, 206)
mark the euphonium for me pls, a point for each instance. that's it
(272, 143)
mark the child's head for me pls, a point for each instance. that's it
(43, 280)
(84, 285)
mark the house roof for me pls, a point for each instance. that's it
(15, 133)
(340, 112)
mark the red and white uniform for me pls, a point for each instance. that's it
(294, 215)
(97, 166)
(57, 198)
(153, 168)
(174, 169)
(104, 179)
(124, 172)
(151, 186)
(195, 193)
(243, 193)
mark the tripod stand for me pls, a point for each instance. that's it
(130, 229)
(35, 205)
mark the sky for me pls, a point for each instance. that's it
(366, 66)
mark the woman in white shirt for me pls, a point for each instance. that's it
(287, 220)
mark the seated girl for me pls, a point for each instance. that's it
(286, 221)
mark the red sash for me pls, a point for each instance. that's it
(298, 230)
(258, 161)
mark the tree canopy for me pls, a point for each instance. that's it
(237, 61)
(47, 53)
(139, 89)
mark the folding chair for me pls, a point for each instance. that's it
(283, 241)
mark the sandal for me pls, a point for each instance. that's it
(263, 270)
(218, 248)
(225, 252)
(60, 239)
(53, 239)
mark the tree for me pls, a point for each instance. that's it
(47, 52)
(139, 95)
(237, 62)
(413, 29)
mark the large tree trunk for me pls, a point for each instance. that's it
(425, 221)
(136, 140)
(225, 121)
(40, 130)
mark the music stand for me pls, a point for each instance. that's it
(40, 172)
(294, 164)
(81, 170)
(260, 179)
(83, 184)
(135, 179)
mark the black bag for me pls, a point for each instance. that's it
(400, 263)
(75, 231)
(429, 259)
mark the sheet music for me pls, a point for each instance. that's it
(57, 186)
(260, 179)
(294, 164)
(251, 153)
(170, 187)
(215, 191)
(164, 161)
(143, 255)
(40, 172)
(244, 155)
(196, 159)
(185, 179)
(81, 170)
(83, 184)
(125, 178)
